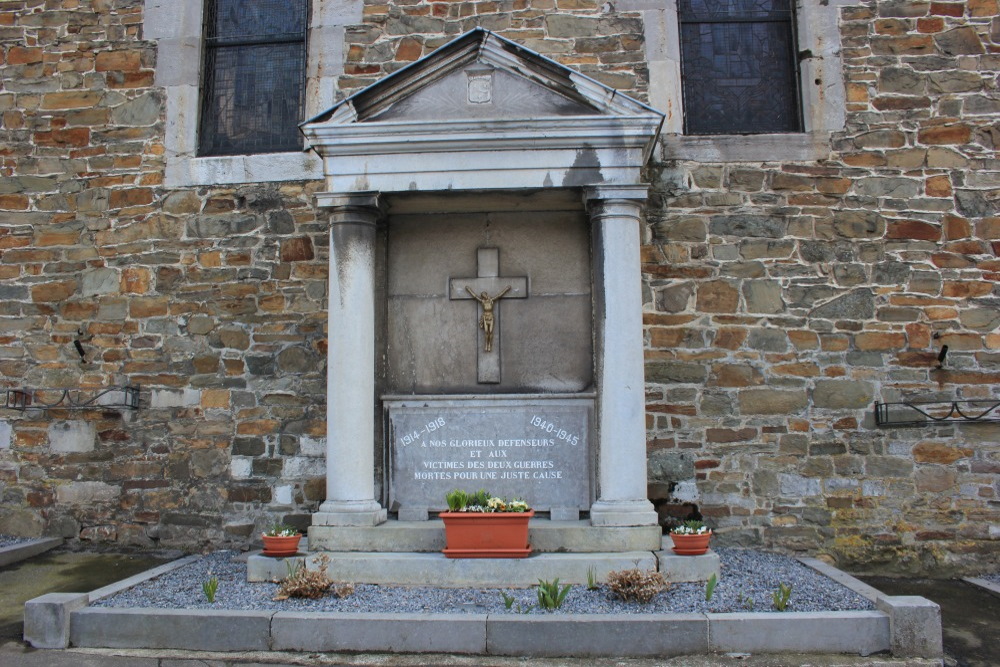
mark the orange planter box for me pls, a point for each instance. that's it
(486, 535)
(691, 545)
(281, 547)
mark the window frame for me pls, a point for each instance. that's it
(793, 60)
(222, 43)
(176, 26)
(821, 88)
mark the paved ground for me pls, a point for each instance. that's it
(971, 618)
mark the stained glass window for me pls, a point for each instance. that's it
(739, 67)
(254, 76)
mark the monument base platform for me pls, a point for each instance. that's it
(544, 535)
(435, 569)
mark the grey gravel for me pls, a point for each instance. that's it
(994, 577)
(747, 582)
(10, 540)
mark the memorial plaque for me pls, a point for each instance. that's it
(537, 449)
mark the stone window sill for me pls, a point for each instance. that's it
(806, 146)
(230, 169)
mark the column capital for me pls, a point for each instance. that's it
(352, 207)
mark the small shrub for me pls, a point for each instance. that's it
(343, 590)
(592, 584)
(303, 583)
(209, 588)
(710, 587)
(550, 596)
(780, 597)
(636, 585)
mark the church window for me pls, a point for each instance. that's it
(253, 81)
(739, 67)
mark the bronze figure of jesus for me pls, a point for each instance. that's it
(487, 318)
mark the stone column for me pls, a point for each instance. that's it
(350, 371)
(621, 396)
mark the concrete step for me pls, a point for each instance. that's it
(544, 535)
(434, 569)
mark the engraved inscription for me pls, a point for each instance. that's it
(533, 451)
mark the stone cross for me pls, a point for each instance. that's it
(488, 280)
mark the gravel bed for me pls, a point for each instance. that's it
(747, 582)
(995, 577)
(9, 540)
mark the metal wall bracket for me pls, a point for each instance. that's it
(924, 413)
(126, 396)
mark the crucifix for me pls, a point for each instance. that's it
(488, 288)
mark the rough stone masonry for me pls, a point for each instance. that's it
(782, 297)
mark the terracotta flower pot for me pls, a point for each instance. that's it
(486, 535)
(281, 547)
(691, 545)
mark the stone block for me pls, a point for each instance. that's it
(170, 398)
(47, 618)
(86, 493)
(858, 632)
(413, 514)
(564, 514)
(598, 635)
(393, 633)
(191, 629)
(915, 624)
(6, 434)
(265, 568)
(843, 394)
(72, 436)
(676, 568)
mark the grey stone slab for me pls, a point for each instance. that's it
(266, 568)
(841, 577)
(985, 584)
(24, 550)
(434, 569)
(544, 535)
(47, 618)
(860, 632)
(394, 633)
(597, 635)
(536, 449)
(193, 629)
(915, 623)
(688, 568)
(118, 586)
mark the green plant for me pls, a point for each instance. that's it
(691, 527)
(209, 587)
(457, 500)
(710, 587)
(780, 596)
(279, 529)
(481, 501)
(592, 584)
(636, 585)
(509, 602)
(550, 596)
(745, 601)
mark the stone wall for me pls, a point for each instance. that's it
(782, 299)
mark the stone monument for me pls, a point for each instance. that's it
(485, 322)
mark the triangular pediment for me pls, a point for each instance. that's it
(482, 75)
(483, 112)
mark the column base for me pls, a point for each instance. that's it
(347, 513)
(623, 513)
